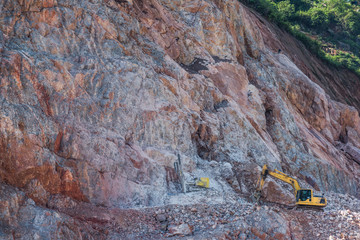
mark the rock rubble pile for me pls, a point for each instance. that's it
(240, 219)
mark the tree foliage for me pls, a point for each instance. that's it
(334, 23)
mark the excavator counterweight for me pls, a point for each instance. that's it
(303, 197)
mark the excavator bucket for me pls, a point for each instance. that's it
(255, 197)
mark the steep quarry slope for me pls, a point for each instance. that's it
(340, 84)
(99, 97)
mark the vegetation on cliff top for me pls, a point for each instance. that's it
(329, 28)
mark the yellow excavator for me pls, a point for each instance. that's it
(304, 197)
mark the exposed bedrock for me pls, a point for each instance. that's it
(98, 98)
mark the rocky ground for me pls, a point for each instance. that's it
(238, 218)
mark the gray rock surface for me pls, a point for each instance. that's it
(97, 99)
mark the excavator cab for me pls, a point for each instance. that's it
(305, 197)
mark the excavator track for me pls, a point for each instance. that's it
(313, 208)
(292, 207)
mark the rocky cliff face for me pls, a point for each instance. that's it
(99, 97)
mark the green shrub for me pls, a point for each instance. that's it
(286, 9)
(319, 19)
(301, 5)
(351, 22)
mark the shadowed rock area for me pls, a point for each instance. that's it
(98, 98)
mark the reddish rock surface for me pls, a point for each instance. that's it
(98, 99)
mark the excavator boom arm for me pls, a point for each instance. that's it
(285, 178)
(279, 175)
